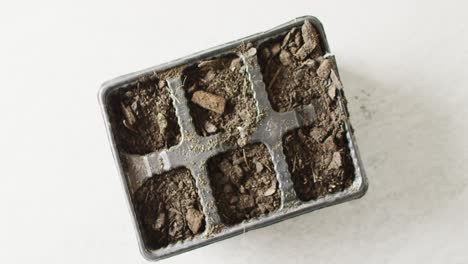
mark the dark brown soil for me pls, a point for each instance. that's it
(143, 117)
(296, 74)
(226, 104)
(318, 158)
(244, 183)
(289, 67)
(169, 209)
(220, 98)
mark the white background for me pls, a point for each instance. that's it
(404, 67)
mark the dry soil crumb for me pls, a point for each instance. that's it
(289, 67)
(169, 209)
(244, 183)
(220, 98)
(143, 117)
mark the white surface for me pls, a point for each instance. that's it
(404, 68)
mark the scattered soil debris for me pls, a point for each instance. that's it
(169, 209)
(243, 185)
(220, 98)
(143, 117)
(291, 65)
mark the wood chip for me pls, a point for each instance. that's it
(210, 75)
(332, 91)
(194, 220)
(258, 166)
(310, 63)
(330, 144)
(162, 123)
(210, 128)
(285, 58)
(336, 81)
(275, 49)
(271, 190)
(251, 52)
(209, 101)
(324, 69)
(310, 36)
(208, 63)
(161, 83)
(159, 222)
(131, 128)
(235, 64)
(130, 119)
(336, 161)
(298, 39)
(286, 40)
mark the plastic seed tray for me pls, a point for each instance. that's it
(193, 150)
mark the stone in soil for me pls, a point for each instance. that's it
(289, 66)
(220, 98)
(244, 184)
(168, 208)
(143, 117)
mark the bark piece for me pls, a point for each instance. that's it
(336, 81)
(324, 69)
(285, 57)
(276, 49)
(332, 91)
(251, 52)
(310, 37)
(209, 101)
(336, 161)
(128, 115)
(210, 128)
(270, 191)
(162, 123)
(194, 220)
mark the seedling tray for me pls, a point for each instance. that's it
(192, 152)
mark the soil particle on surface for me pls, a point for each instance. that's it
(244, 183)
(289, 67)
(221, 99)
(168, 208)
(143, 117)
